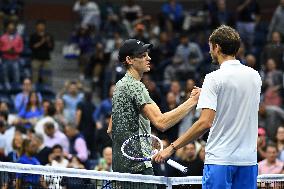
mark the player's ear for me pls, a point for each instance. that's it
(128, 60)
(218, 48)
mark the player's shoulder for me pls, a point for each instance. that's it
(252, 71)
(213, 75)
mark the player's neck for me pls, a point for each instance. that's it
(134, 74)
(223, 58)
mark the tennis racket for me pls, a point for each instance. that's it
(143, 147)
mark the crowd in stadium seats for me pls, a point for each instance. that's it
(66, 128)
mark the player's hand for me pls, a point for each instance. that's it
(162, 156)
(195, 93)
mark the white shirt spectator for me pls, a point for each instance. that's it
(89, 12)
(6, 140)
(233, 92)
(39, 127)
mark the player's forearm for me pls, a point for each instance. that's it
(172, 117)
(197, 129)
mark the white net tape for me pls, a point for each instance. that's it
(101, 175)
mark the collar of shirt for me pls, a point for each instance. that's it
(229, 63)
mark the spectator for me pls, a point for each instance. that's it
(273, 77)
(32, 112)
(270, 118)
(171, 103)
(221, 16)
(113, 25)
(53, 137)
(48, 118)
(78, 146)
(97, 65)
(17, 143)
(173, 15)
(189, 86)
(162, 53)
(250, 61)
(261, 144)
(177, 70)
(104, 109)
(175, 88)
(85, 122)
(41, 44)
(59, 116)
(42, 150)
(21, 99)
(89, 13)
(153, 89)
(114, 69)
(71, 100)
(131, 11)
(280, 142)
(75, 163)
(56, 158)
(190, 53)
(188, 121)
(270, 165)
(105, 163)
(191, 159)
(102, 139)
(28, 157)
(140, 33)
(277, 22)
(82, 38)
(11, 46)
(246, 11)
(6, 134)
(274, 50)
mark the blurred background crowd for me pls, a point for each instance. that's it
(64, 123)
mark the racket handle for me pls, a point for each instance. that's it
(177, 165)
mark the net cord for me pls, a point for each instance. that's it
(103, 175)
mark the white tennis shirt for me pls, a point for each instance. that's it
(233, 92)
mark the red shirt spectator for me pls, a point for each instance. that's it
(11, 43)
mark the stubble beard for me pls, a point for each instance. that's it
(214, 60)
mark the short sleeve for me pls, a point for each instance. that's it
(141, 96)
(208, 95)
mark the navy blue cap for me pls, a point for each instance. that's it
(132, 47)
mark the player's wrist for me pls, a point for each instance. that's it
(173, 147)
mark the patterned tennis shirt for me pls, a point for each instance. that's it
(127, 120)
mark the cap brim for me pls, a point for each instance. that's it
(145, 48)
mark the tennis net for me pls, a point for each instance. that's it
(18, 176)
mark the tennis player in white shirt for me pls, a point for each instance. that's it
(229, 103)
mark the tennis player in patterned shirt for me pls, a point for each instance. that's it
(133, 109)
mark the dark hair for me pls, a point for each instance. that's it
(49, 125)
(227, 38)
(8, 23)
(272, 145)
(51, 110)
(25, 145)
(29, 101)
(40, 21)
(88, 95)
(57, 146)
(4, 114)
